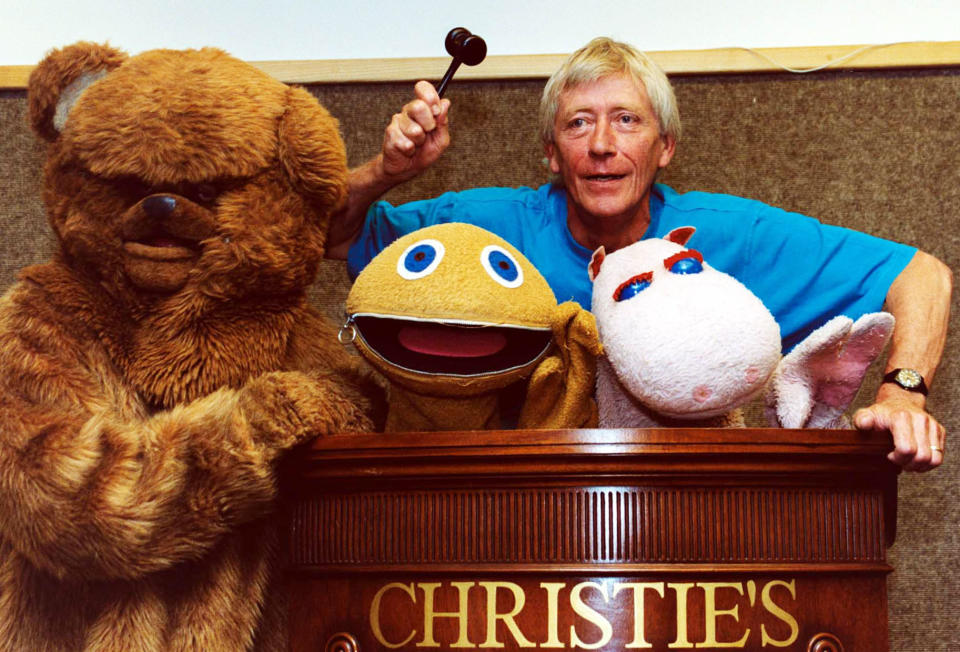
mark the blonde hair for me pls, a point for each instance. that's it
(602, 57)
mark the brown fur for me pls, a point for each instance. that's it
(146, 399)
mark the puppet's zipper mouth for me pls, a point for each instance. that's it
(495, 348)
(461, 342)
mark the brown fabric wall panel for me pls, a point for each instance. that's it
(874, 151)
(493, 126)
(857, 149)
(24, 236)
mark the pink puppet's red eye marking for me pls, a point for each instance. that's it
(633, 286)
(689, 261)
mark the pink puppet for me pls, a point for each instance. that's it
(686, 344)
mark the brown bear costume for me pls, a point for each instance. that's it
(153, 373)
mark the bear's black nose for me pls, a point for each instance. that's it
(159, 206)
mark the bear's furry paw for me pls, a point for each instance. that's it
(285, 408)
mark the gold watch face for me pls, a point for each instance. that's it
(908, 378)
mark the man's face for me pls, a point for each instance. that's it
(607, 147)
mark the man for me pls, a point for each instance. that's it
(609, 124)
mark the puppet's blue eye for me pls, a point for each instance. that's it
(688, 261)
(687, 266)
(501, 266)
(632, 287)
(420, 259)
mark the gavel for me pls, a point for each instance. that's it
(464, 47)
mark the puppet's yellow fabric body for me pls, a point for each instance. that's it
(451, 314)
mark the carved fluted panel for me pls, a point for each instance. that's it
(589, 525)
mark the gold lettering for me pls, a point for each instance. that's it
(429, 614)
(580, 605)
(681, 590)
(553, 609)
(775, 610)
(712, 614)
(519, 600)
(375, 613)
(587, 613)
(639, 640)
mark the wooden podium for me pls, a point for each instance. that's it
(667, 539)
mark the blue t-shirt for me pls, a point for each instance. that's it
(805, 272)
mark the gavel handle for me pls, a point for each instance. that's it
(447, 76)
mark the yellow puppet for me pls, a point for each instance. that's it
(452, 313)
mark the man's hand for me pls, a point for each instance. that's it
(919, 299)
(412, 142)
(417, 136)
(918, 438)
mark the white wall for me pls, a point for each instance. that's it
(346, 29)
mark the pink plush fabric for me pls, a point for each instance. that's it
(690, 343)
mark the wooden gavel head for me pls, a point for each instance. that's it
(464, 47)
(469, 48)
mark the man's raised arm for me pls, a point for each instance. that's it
(412, 142)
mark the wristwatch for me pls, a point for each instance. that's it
(909, 379)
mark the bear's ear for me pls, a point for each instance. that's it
(58, 81)
(311, 150)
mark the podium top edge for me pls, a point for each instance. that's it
(600, 440)
(593, 455)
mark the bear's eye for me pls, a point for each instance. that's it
(205, 193)
(420, 259)
(132, 187)
(83, 173)
(501, 266)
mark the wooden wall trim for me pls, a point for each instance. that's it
(14, 77)
(674, 62)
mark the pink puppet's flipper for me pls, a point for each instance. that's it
(818, 380)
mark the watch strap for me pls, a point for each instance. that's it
(909, 379)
